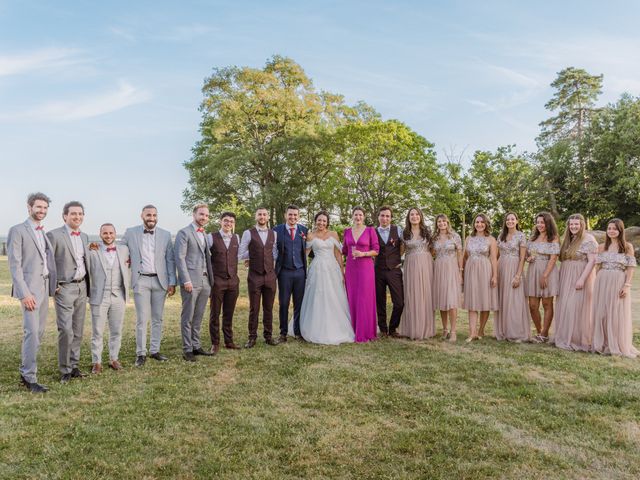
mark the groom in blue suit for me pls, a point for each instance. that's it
(291, 269)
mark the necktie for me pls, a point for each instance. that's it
(293, 233)
(75, 234)
(150, 232)
(111, 249)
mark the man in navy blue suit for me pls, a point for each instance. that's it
(291, 269)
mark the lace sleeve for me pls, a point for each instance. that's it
(521, 240)
(554, 249)
(630, 261)
(589, 246)
(457, 241)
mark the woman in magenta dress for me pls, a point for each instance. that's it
(360, 246)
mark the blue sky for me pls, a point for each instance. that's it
(99, 100)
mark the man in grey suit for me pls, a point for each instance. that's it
(33, 274)
(193, 261)
(109, 273)
(153, 278)
(70, 249)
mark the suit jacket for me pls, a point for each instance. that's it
(283, 230)
(192, 259)
(98, 273)
(26, 263)
(65, 255)
(164, 258)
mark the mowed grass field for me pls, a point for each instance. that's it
(389, 409)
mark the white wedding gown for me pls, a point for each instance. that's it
(324, 315)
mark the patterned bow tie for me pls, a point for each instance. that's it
(227, 237)
(39, 227)
(75, 234)
(382, 229)
(150, 232)
(200, 230)
(111, 249)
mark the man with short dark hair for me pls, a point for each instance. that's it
(259, 251)
(193, 261)
(153, 278)
(388, 273)
(224, 245)
(70, 248)
(291, 269)
(33, 274)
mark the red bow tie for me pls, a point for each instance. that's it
(111, 249)
(200, 230)
(75, 234)
(39, 227)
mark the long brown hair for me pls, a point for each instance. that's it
(505, 230)
(487, 224)
(551, 230)
(622, 241)
(425, 231)
(571, 243)
(436, 235)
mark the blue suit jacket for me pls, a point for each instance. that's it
(281, 231)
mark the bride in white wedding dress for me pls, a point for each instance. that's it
(324, 316)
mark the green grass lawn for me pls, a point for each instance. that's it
(391, 409)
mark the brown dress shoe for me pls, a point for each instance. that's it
(232, 346)
(215, 349)
(250, 343)
(271, 341)
(115, 364)
(282, 339)
(96, 368)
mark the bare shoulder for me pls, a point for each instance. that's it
(310, 235)
(629, 250)
(334, 234)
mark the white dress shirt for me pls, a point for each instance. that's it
(109, 256)
(148, 251)
(199, 235)
(384, 232)
(227, 238)
(243, 251)
(42, 244)
(78, 249)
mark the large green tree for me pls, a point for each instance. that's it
(562, 156)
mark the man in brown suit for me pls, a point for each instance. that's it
(388, 273)
(224, 246)
(259, 251)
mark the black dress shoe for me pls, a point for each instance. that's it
(76, 373)
(232, 346)
(189, 356)
(271, 341)
(250, 343)
(159, 357)
(33, 387)
(282, 338)
(65, 378)
(140, 359)
(200, 351)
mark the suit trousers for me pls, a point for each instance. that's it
(194, 304)
(110, 311)
(71, 311)
(33, 325)
(149, 298)
(392, 279)
(224, 295)
(261, 287)
(290, 284)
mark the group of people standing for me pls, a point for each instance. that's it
(333, 301)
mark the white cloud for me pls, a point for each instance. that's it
(63, 111)
(42, 59)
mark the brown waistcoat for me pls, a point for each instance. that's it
(224, 261)
(261, 256)
(389, 255)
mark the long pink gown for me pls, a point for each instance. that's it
(360, 283)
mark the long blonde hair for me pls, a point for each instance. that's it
(571, 243)
(449, 229)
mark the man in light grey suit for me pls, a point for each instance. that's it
(70, 248)
(153, 277)
(193, 261)
(109, 273)
(33, 273)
